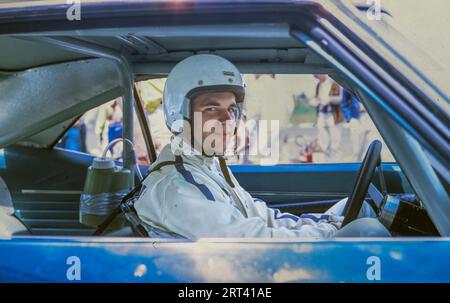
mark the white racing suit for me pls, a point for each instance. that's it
(193, 199)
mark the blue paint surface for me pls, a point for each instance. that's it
(325, 167)
(2, 159)
(39, 259)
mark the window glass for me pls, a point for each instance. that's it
(319, 122)
(286, 119)
(95, 129)
(100, 126)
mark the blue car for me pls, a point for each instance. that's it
(59, 61)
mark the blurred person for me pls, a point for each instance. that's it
(75, 138)
(101, 126)
(114, 127)
(352, 109)
(329, 117)
(93, 140)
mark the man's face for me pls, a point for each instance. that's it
(215, 114)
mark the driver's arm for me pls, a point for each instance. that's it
(179, 206)
(276, 219)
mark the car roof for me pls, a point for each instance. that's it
(239, 43)
(151, 50)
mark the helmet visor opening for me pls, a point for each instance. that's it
(237, 90)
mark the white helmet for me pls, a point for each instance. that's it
(196, 75)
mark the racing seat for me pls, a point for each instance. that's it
(10, 225)
(135, 227)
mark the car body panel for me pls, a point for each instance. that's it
(232, 260)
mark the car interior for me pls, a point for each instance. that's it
(47, 84)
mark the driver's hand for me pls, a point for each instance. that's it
(336, 220)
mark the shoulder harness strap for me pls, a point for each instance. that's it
(127, 206)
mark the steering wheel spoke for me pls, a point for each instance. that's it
(371, 160)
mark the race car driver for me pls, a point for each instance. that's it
(190, 191)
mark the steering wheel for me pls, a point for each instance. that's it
(369, 164)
